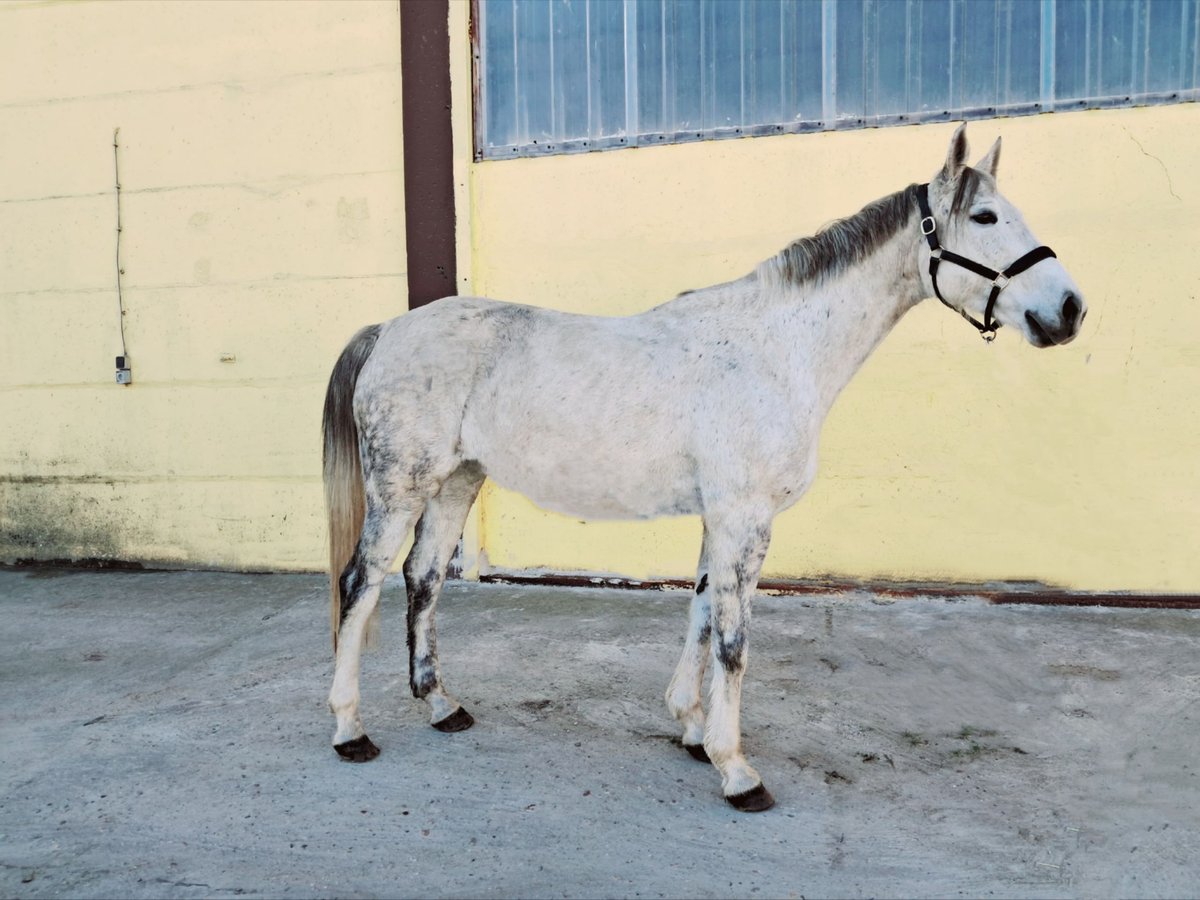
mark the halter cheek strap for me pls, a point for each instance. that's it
(937, 255)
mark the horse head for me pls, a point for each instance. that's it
(999, 272)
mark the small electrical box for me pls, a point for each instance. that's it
(124, 375)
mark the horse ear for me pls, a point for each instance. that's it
(956, 156)
(990, 160)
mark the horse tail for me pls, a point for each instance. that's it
(345, 501)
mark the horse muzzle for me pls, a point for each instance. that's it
(1051, 333)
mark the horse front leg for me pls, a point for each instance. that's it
(737, 550)
(683, 694)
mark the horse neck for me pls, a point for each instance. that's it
(833, 325)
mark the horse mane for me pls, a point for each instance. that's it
(843, 243)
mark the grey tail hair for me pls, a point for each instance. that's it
(345, 501)
(843, 243)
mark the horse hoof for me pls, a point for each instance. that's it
(697, 752)
(459, 720)
(358, 750)
(756, 799)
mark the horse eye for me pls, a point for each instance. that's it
(987, 217)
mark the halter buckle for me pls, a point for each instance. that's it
(931, 228)
(1001, 281)
(935, 252)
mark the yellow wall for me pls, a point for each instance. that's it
(945, 458)
(263, 204)
(264, 223)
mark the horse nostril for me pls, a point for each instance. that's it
(1070, 309)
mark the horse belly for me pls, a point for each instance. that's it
(582, 488)
(626, 467)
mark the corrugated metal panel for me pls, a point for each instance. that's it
(569, 75)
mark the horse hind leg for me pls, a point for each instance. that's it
(383, 531)
(437, 535)
(683, 694)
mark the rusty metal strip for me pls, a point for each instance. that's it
(477, 110)
(999, 595)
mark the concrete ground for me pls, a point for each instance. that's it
(165, 735)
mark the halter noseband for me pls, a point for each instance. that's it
(986, 328)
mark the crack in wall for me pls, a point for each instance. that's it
(1166, 172)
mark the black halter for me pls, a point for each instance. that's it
(987, 328)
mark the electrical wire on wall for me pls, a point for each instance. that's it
(124, 375)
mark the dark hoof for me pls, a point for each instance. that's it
(358, 750)
(756, 799)
(697, 752)
(459, 720)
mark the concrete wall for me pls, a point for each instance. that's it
(946, 458)
(261, 170)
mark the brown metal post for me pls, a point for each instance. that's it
(428, 150)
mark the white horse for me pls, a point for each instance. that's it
(709, 405)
